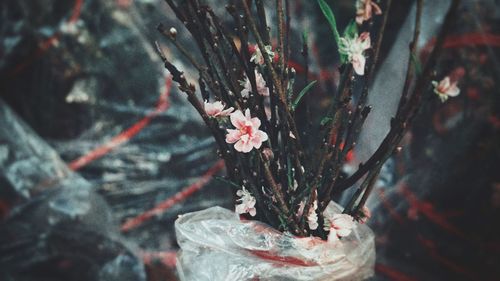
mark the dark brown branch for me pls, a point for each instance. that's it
(281, 37)
(189, 89)
(358, 118)
(278, 84)
(399, 124)
(261, 12)
(371, 178)
(411, 63)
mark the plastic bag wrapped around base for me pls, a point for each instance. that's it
(216, 245)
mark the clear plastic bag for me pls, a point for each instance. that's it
(216, 245)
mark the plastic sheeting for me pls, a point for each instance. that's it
(60, 227)
(98, 98)
(27, 163)
(81, 86)
(216, 245)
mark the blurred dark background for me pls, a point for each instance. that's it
(95, 142)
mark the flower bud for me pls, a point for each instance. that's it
(268, 154)
(173, 32)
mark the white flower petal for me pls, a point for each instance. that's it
(332, 236)
(358, 63)
(453, 91)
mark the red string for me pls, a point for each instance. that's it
(77, 9)
(123, 137)
(171, 201)
(392, 274)
(168, 259)
(49, 42)
(266, 255)
(430, 246)
(427, 209)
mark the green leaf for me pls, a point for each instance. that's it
(302, 93)
(326, 120)
(416, 63)
(343, 58)
(305, 37)
(351, 30)
(327, 11)
(227, 181)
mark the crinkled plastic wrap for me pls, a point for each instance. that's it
(216, 245)
(59, 227)
(104, 77)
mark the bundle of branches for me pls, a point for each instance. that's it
(249, 103)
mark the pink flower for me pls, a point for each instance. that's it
(262, 89)
(247, 204)
(247, 135)
(312, 217)
(341, 225)
(445, 89)
(364, 10)
(257, 56)
(366, 214)
(358, 63)
(216, 109)
(354, 48)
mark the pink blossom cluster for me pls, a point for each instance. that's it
(340, 225)
(445, 88)
(262, 89)
(258, 56)
(364, 10)
(247, 202)
(354, 49)
(247, 135)
(216, 109)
